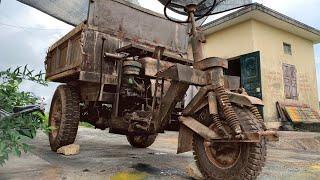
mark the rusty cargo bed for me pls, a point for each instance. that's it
(111, 25)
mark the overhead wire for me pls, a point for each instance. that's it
(31, 28)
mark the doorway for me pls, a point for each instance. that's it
(247, 67)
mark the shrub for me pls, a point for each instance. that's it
(14, 131)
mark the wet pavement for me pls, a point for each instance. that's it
(108, 156)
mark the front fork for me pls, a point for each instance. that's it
(216, 78)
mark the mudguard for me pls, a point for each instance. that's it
(186, 134)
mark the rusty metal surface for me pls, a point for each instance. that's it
(184, 139)
(89, 92)
(131, 67)
(213, 104)
(118, 24)
(135, 49)
(59, 77)
(91, 51)
(210, 63)
(65, 54)
(199, 128)
(230, 115)
(174, 94)
(94, 78)
(164, 90)
(232, 82)
(108, 56)
(199, 101)
(197, 38)
(270, 135)
(136, 24)
(66, 37)
(185, 74)
(211, 136)
(197, 77)
(196, 101)
(150, 66)
(81, 50)
(215, 77)
(244, 99)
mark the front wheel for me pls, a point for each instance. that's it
(141, 141)
(64, 117)
(230, 160)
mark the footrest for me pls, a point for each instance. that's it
(211, 136)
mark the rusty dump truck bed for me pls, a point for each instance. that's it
(118, 24)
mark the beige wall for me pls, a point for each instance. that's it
(251, 36)
(230, 42)
(269, 41)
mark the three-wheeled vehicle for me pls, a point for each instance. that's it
(126, 68)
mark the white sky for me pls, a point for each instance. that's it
(28, 43)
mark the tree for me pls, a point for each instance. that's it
(14, 131)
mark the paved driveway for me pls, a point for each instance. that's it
(108, 156)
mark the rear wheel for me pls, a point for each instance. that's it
(64, 117)
(141, 141)
(230, 160)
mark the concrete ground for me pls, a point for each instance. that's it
(108, 156)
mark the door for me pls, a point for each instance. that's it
(250, 74)
(290, 81)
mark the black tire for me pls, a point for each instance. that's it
(64, 117)
(141, 141)
(249, 159)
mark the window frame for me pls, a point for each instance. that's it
(287, 48)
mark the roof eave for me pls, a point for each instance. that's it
(248, 13)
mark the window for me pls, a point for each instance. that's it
(290, 81)
(287, 48)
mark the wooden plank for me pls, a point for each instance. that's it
(63, 74)
(301, 114)
(69, 52)
(73, 32)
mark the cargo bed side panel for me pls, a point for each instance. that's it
(94, 43)
(64, 57)
(135, 24)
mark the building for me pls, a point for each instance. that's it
(272, 53)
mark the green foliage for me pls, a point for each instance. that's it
(86, 125)
(14, 131)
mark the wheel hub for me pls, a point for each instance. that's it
(223, 155)
(55, 120)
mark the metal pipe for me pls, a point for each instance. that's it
(196, 42)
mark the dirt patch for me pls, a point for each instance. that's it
(298, 141)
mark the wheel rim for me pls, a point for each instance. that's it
(55, 119)
(223, 155)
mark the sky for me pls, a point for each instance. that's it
(26, 34)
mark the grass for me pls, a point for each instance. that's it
(86, 125)
(81, 124)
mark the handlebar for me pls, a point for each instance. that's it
(22, 110)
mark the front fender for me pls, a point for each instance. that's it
(236, 98)
(245, 100)
(186, 134)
